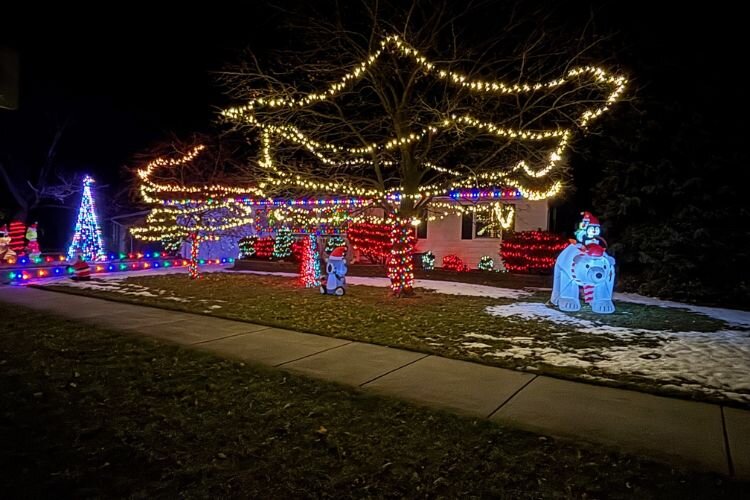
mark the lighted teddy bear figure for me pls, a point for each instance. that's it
(584, 266)
(32, 247)
(6, 254)
(336, 269)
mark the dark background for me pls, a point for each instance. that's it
(125, 80)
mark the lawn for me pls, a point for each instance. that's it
(663, 350)
(92, 413)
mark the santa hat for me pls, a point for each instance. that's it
(338, 253)
(3, 229)
(589, 219)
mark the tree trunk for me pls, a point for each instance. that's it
(400, 267)
(193, 265)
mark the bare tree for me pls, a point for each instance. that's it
(184, 183)
(32, 185)
(393, 109)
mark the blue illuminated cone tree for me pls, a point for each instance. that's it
(87, 239)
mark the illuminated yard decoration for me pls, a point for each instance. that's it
(336, 269)
(584, 267)
(193, 212)
(435, 133)
(87, 239)
(310, 262)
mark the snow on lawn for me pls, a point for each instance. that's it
(115, 283)
(716, 363)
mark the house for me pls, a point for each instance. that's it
(474, 234)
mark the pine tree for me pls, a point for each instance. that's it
(88, 235)
(673, 221)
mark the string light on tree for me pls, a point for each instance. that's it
(87, 238)
(395, 168)
(310, 263)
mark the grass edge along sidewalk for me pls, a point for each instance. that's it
(292, 316)
(91, 412)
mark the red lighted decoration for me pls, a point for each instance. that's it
(17, 233)
(298, 249)
(372, 240)
(532, 252)
(264, 248)
(453, 263)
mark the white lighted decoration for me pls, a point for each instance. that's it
(584, 267)
(270, 116)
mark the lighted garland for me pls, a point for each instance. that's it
(336, 155)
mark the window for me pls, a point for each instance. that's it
(488, 223)
(422, 227)
(467, 225)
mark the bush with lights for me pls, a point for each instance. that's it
(486, 263)
(532, 252)
(428, 261)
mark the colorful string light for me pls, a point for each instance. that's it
(87, 238)
(310, 262)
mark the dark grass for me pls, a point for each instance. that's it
(92, 413)
(505, 280)
(429, 322)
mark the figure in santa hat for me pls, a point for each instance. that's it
(589, 230)
(32, 245)
(336, 269)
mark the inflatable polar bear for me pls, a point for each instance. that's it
(586, 266)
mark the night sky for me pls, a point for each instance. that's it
(125, 83)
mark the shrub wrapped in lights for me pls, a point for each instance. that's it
(428, 261)
(372, 240)
(454, 263)
(532, 252)
(247, 247)
(264, 248)
(486, 263)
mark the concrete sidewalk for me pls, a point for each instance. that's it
(700, 435)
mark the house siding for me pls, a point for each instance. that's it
(444, 236)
